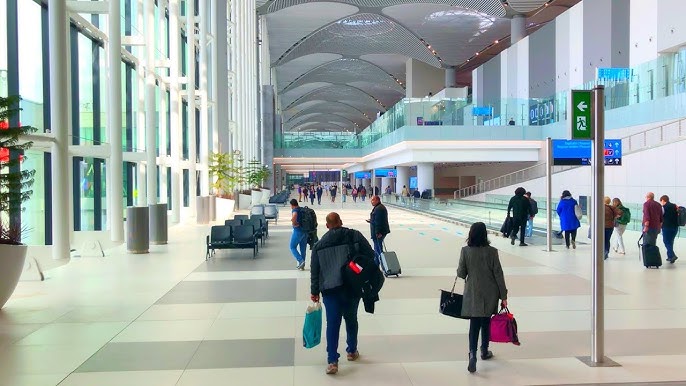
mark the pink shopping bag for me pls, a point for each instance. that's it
(504, 327)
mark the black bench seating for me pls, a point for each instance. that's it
(231, 237)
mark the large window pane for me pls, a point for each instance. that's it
(33, 219)
(3, 48)
(85, 74)
(30, 63)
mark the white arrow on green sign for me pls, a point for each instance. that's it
(582, 124)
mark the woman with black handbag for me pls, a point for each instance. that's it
(484, 286)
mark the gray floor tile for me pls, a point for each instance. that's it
(230, 291)
(140, 357)
(219, 354)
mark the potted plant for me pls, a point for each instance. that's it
(225, 168)
(15, 189)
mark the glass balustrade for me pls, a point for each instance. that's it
(661, 78)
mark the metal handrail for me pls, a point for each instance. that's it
(648, 139)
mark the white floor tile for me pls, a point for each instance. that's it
(251, 328)
(257, 376)
(262, 309)
(165, 331)
(74, 333)
(201, 311)
(128, 378)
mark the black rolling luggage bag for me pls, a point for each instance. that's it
(650, 254)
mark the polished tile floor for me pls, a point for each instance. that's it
(171, 318)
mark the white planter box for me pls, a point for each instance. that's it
(244, 201)
(265, 196)
(12, 258)
(224, 208)
(255, 197)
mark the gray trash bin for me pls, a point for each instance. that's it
(158, 224)
(137, 236)
(202, 206)
(213, 208)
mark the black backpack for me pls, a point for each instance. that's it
(308, 219)
(681, 216)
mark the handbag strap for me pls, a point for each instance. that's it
(454, 283)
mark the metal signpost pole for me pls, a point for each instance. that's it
(549, 194)
(597, 230)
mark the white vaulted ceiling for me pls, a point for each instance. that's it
(339, 63)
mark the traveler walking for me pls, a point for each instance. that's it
(670, 226)
(354, 194)
(485, 283)
(299, 237)
(362, 192)
(378, 224)
(534, 212)
(320, 191)
(328, 256)
(611, 216)
(333, 193)
(521, 210)
(344, 192)
(569, 222)
(300, 193)
(620, 225)
(652, 219)
(313, 193)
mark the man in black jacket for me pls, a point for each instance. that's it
(670, 226)
(378, 223)
(329, 256)
(521, 210)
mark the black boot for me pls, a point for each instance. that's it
(486, 354)
(472, 362)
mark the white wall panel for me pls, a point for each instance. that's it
(643, 35)
(562, 54)
(671, 29)
(423, 79)
(597, 37)
(522, 48)
(576, 45)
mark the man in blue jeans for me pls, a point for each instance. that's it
(670, 226)
(378, 223)
(299, 237)
(329, 255)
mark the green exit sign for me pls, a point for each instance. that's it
(582, 124)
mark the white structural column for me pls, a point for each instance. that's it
(517, 28)
(204, 112)
(450, 77)
(164, 106)
(141, 180)
(402, 178)
(190, 87)
(220, 86)
(150, 111)
(425, 177)
(253, 95)
(59, 126)
(114, 122)
(239, 86)
(175, 108)
(385, 181)
(233, 65)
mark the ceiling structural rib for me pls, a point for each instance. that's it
(338, 108)
(361, 34)
(491, 7)
(339, 92)
(320, 126)
(526, 6)
(346, 70)
(329, 116)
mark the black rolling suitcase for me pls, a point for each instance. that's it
(506, 229)
(650, 254)
(390, 265)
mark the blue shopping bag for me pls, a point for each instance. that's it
(312, 328)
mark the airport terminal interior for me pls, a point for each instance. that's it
(137, 135)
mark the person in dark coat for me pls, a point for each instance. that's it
(320, 191)
(568, 220)
(521, 210)
(485, 284)
(378, 224)
(670, 226)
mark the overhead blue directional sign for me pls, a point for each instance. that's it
(578, 152)
(614, 73)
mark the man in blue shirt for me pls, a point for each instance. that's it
(299, 237)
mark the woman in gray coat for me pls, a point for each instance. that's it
(485, 284)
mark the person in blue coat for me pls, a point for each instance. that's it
(568, 220)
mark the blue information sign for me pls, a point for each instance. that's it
(578, 152)
(614, 73)
(363, 175)
(485, 111)
(384, 173)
